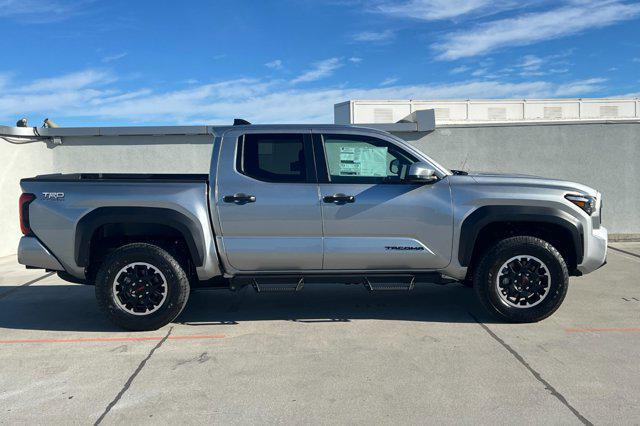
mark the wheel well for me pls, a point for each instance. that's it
(556, 235)
(109, 237)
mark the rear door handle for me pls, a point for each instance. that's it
(339, 199)
(239, 198)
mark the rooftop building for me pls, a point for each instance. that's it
(451, 112)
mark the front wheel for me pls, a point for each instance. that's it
(141, 287)
(522, 279)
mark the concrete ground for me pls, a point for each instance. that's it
(334, 355)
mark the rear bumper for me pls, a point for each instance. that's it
(32, 253)
(595, 254)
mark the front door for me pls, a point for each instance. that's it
(373, 218)
(267, 202)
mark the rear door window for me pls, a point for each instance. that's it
(276, 157)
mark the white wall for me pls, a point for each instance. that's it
(17, 161)
(493, 110)
(141, 154)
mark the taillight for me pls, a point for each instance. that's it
(23, 208)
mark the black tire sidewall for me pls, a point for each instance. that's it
(489, 268)
(177, 286)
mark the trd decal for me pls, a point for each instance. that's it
(55, 196)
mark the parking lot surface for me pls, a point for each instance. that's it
(333, 354)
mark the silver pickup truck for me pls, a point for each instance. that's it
(284, 206)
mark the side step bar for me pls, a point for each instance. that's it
(390, 283)
(293, 283)
(277, 284)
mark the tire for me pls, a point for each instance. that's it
(521, 279)
(159, 298)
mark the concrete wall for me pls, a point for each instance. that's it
(139, 154)
(142, 154)
(605, 156)
(17, 161)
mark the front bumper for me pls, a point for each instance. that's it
(595, 254)
(33, 254)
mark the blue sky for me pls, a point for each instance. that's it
(192, 62)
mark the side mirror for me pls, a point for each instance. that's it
(421, 172)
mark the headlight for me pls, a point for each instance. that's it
(585, 202)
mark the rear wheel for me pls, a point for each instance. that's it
(522, 279)
(141, 286)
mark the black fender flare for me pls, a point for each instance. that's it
(190, 230)
(483, 216)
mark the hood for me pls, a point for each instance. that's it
(507, 175)
(531, 181)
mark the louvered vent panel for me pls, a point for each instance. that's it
(383, 115)
(609, 111)
(443, 113)
(497, 113)
(552, 112)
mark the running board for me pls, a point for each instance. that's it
(390, 283)
(277, 284)
(372, 282)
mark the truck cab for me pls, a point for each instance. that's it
(332, 199)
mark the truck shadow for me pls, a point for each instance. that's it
(71, 307)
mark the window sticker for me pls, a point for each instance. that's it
(364, 160)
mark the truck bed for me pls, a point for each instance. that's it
(68, 210)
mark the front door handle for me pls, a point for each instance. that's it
(339, 199)
(239, 198)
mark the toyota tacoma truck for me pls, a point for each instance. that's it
(284, 206)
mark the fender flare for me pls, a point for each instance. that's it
(190, 230)
(483, 216)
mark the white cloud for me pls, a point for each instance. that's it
(530, 62)
(4, 79)
(433, 10)
(73, 81)
(629, 95)
(535, 66)
(576, 17)
(319, 71)
(355, 59)
(374, 36)
(579, 87)
(460, 69)
(389, 81)
(114, 57)
(41, 11)
(276, 64)
(93, 101)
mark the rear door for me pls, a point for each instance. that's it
(373, 218)
(268, 203)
